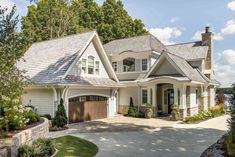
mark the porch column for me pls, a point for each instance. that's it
(155, 95)
(175, 87)
(183, 100)
(205, 99)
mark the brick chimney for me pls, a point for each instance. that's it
(207, 40)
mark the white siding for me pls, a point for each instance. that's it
(126, 93)
(42, 99)
(166, 68)
(76, 70)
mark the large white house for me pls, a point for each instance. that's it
(97, 81)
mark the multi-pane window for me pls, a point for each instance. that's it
(83, 66)
(144, 93)
(144, 64)
(129, 64)
(114, 65)
(97, 67)
(90, 65)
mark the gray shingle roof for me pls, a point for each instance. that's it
(190, 72)
(47, 61)
(134, 44)
(189, 51)
(93, 81)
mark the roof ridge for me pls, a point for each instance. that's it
(151, 35)
(185, 43)
(176, 55)
(64, 37)
(127, 38)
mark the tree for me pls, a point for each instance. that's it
(60, 119)
(221, 98)
(12, 46)
(232, 114)
(117, 23)
(48, 19)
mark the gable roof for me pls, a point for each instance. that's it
(134, 44)
(49, 61)
(189, 51)
(181, 65)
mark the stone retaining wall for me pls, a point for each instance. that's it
(28, 136)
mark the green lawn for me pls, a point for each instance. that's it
(70, 146)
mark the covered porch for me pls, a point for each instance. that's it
(164, 92)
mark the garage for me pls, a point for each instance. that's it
(86, 108)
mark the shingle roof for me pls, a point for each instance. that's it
(184, 66)
(189, 51)
(134, 44)
(93, 81)
(47, 61)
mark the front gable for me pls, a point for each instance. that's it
(92, 62)
(164, 66)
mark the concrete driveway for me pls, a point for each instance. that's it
(130, 138)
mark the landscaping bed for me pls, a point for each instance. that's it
(216, 111)
(74, 147)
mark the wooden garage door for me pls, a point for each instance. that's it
(89, 109)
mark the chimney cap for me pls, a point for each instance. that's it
(207, 29)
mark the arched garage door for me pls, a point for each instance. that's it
(86, 108)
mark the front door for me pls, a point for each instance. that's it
(170, 98)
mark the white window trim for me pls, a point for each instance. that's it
(142, 64)
(85, 66)
(97, 68)
(143, 104)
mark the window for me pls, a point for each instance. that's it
(144, 64)
(90, 65)
(196, 96)
(129, 64)
(114, 65)
(144, 96)
(97, 67)
(83, 66)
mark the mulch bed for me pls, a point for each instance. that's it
(51, 129)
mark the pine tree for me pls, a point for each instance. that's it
(232, 114)
(60, 119)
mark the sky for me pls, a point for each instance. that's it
(178, 21)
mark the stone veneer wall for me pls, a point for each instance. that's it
(27, 137)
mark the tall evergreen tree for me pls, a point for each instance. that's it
(12, 46)
(232, 114)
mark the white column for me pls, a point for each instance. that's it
(155, 95)
(175, 87)
(183, 100)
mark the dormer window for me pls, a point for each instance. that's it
(97, 67)
(144, 64)
(83, 66)
(91, 65)
(129, 64)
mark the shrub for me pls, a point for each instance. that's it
(43, 147)
(217, 110)
(60, 119)
(230, 146)
(32, 117)
(132, 111)
(25, 151)
(40, 147)
(199, 117)
(48, 116)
